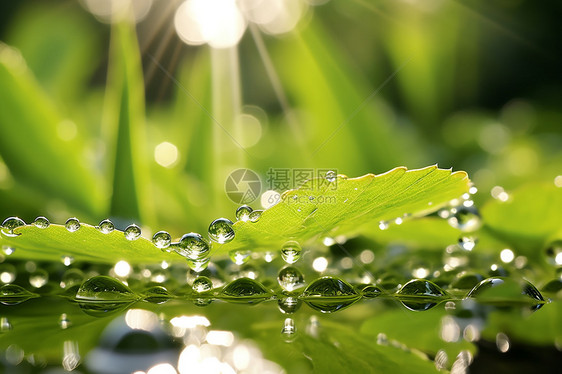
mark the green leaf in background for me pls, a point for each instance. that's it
(348, 206)
(531, 215)
(125, 116)
(29, 144)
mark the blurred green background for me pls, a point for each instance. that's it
(126, 121)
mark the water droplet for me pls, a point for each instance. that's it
(255, 215)
(505, 291)
(420, 294)
(157, 295)
(102, 288)
(72, 277)
(64, 322)
(289, 304)
(329, 294)
(289, 329)
(221, 231)
(202, 284)
(67, 260)
(106, 226)
(5, 324)
(466, 219)
(198, 265)
(38, 278)
(369, 291)
(192, 246)
(382, 339)
(239, 257)
(441, 360)
(12, 294)
(162, 240)
(290, 278)
(41, 222)
(331, 176)
(467, 242)
(243, 213)
(7, 273)
(291, 252)
(132, 232)
(245, 290)
(10, 224)
(72, 224)
(383, 225)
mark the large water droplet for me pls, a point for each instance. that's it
(106, 226)
(420, 294)
(72, 224)
(239, 257)
(41, 222)
(290, 278)
(255, 215)
(329, 294)
(12, 294)
(464, 218)
(7, 250)
(192, 246)
(245, 290)
(38, 278)
(506, 292)
(10, 224)
(162, 240)
(221, 231)
(202, 284)
(157, 295)
(291, 252)
(102, 288)
(243, 213)
(132, 232)
(289, 304)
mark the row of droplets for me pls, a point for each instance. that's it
(193, 246)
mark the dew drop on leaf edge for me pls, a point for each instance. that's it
(221, 231)
(72, 224)
(10, 224)
(106, 226)
(243, 213)
(132, 232)
(41, 222)
(162, 240)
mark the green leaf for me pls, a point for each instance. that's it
(345, 206)
(348, 206)
(125, 116)
(422, 331)
(86, 244)
(35, 156)
(530, 216)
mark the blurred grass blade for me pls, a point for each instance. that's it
(124, 115)
(29, 144)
